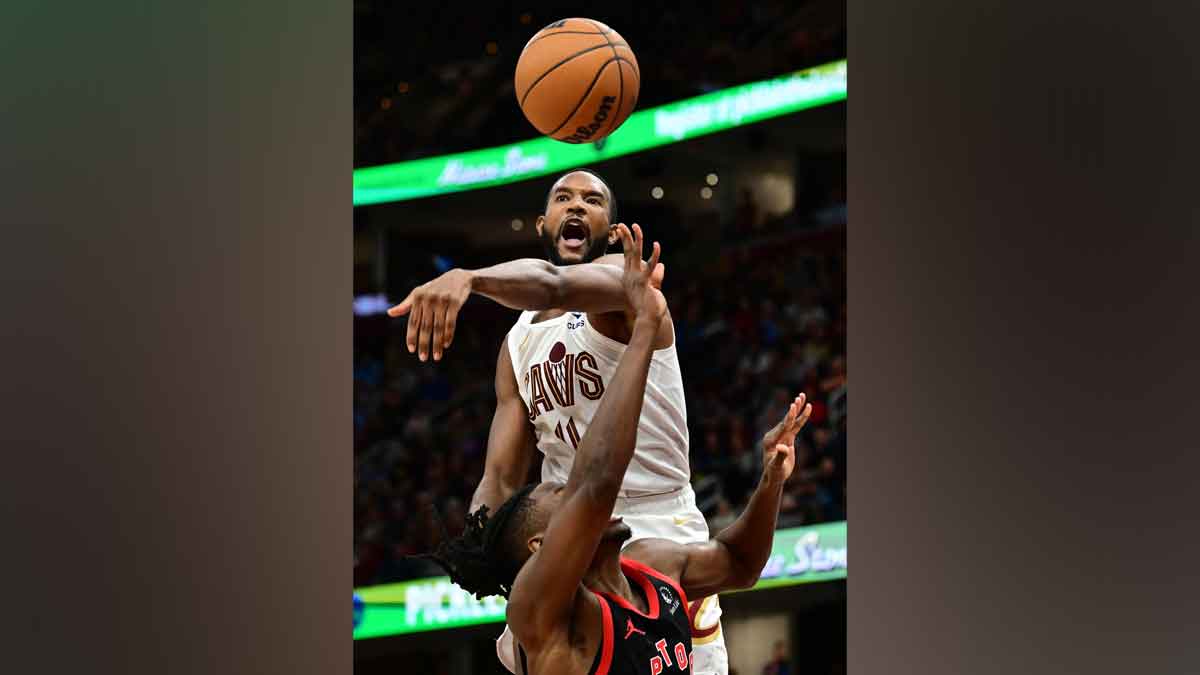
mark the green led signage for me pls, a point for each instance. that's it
(799, 555)
(645, 129)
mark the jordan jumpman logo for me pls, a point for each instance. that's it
(630, 629)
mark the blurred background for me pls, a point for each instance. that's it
(753, 224)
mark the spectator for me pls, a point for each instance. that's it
(779, 663)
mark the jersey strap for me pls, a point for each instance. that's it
(604, 655)
(613, 349)
(640, 571)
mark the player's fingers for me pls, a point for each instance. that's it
(402, 308)
(656, 277)
(651, 266)
(794, 421)
(414, 323)
(637, 240)
(799, 402)
(436, 338)
(424, 330)
(451, 324)
(805, 415)
(626, 242)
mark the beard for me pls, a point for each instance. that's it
(595, 249)
(618, 532)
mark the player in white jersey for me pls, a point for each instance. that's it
(551, 374)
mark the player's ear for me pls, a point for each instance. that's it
(538, 224)
(535, 543)
(613, 235)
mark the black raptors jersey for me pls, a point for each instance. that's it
(633, 643)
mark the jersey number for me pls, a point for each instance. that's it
(571, 431)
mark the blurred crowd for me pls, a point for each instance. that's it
(753, 333)
(762, 323)
(448, 87)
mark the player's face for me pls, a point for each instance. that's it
(547, 498)
(575, 227)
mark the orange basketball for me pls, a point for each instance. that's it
(577, 80)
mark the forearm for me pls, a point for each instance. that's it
(492, 492)
(509, 456)
(510, 443)
(531, 284)
(749, 538)
(607, 448)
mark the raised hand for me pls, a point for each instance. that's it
(433, 312)
(642, 279)
(779, 444)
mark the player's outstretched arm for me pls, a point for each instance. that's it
(736, 556)
(510, 446)
(526, 284)
(544, 592)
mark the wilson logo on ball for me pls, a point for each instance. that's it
(585, 133)
(577, 81)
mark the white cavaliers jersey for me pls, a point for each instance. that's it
(563, 367)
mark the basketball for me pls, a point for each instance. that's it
(577, 80)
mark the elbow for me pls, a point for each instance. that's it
(555, 289)
(744, 581)
(745, 576)
(546, 286)
(747, 581)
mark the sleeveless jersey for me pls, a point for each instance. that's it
(563, 367)
(631, 643)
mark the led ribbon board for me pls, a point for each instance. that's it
(645, 129)
(799, 555)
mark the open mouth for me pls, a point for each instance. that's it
(574, 233)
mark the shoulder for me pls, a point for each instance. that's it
(662, 555)
(619, 325)
(617, 259)
(565, 646)
(508, 344)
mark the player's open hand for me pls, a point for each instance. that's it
(657, 273)
(641, 279)
(432, 310)
(779, 444)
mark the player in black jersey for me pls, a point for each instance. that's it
(578, 604)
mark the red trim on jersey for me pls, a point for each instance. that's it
(647, 590)
(630, 563)
(606, 640)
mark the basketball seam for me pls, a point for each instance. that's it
(620, 82)
(566, 32)
(589, 90)
(636, 71)
(553, 67)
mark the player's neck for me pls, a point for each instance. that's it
(605, 572)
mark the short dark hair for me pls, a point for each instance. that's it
(612, 197)
(485, 559)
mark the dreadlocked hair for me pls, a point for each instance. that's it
(482, 560)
